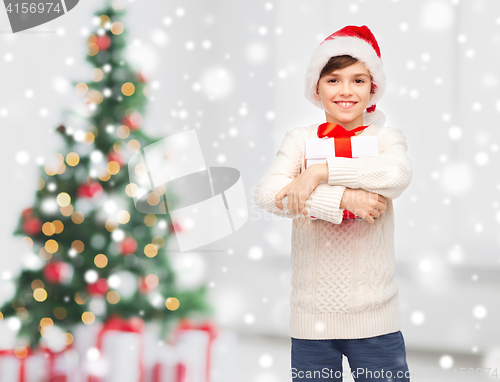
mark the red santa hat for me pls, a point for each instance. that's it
(360, 43)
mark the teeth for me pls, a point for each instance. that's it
(346, 103)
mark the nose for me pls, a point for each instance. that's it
(346, 89)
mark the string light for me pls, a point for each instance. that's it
(150, 220)
(63, 199)
(51, 246)
(113, 297)
(172, 303)
(123, 217)
(48, 229)
(150, 250)
(80, 298)
(133, 145)
(81, 89)
(88, 318)
(101, 260)
(40, 294)
(113, 167)
(78, 246)
(40, 184)
(96, 75)
(77, 217)
(117, 28)
(60, 313)
(37, 284)
(104, 19)
(128, 88)
(21, 352)
(72, 159)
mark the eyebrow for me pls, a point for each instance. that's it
(354, 75)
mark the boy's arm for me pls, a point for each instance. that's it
(324, 201)
(387, 174)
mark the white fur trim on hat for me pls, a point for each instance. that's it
(353, 46)
(376, 118)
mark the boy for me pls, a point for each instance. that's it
(344, 296)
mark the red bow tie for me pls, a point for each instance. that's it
(331, 130)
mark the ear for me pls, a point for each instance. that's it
(316, 95)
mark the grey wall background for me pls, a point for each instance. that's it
(234, 72)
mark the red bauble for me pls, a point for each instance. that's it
(27, 213)
(103, 42)
(141, 77)
(56, 272)
(32, 226)
(89, 190)
(175, 227)
(100, 287)
(144, 287)
(133, 120)
(128, 246)
(114, 156)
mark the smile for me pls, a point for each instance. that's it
(346, 105)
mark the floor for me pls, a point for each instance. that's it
(267, 359)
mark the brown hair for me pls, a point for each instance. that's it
(341, 62)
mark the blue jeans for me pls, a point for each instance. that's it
(374, 359)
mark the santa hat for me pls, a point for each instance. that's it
(360, 43)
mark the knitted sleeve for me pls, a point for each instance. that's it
(387, 174)
(324, 201)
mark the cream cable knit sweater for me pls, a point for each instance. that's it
(343, 283)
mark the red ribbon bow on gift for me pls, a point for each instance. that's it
(342, 137)
(332, 130)
(115, 322)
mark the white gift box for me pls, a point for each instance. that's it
(120, 359)
(318, 149)
(168, 367)
(192, 348)
(63, 365)
(34, 366)
(186, 360)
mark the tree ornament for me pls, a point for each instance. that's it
(132, 120)
(175, 227)
(128, 246)
(103, 42)
(114, 156)
(57, 272)
(100, 287)
(89, 190)
(32, 226)
(147, 284)
(27, 213)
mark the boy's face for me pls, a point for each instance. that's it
(348, 84)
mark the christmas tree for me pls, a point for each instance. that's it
(93, 254)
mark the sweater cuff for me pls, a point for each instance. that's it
(342, 172)
(325, 203)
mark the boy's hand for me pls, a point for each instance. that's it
(363, 203)
(298, 191)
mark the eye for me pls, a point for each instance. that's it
(358, 79)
